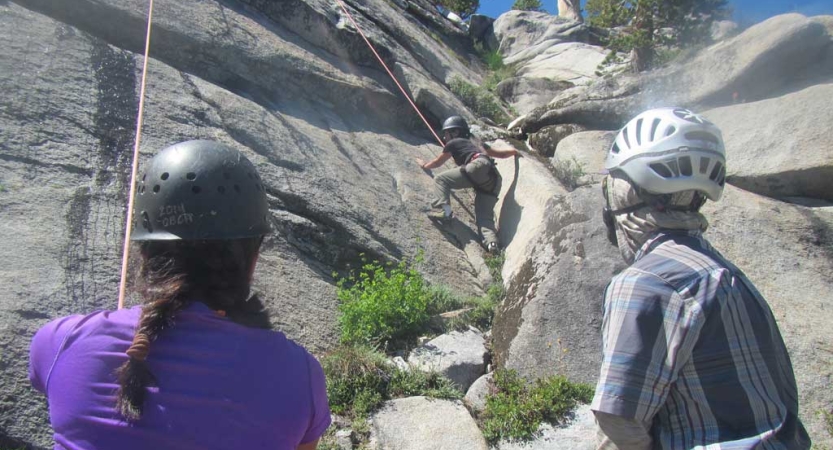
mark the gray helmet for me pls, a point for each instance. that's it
(199, 190)
(456, 122)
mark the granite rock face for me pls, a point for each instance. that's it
(293, 86)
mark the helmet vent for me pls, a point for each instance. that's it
(164, 176)
(191, 176)
(670, 131)
(685, 166)
(639, 132)
(221, 189)
(156, 188)
(704, 165)
(715, 171)
(196, 189)
(615, 148)
(142, 189)
(654, 127)
(702, 136)
(625, 135)
(721, 180)
(674, 167)
(661, 170)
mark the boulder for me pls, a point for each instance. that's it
(578, 432)
(481, 32)
(526, 34)
(588, 151)
(420, 423)
(558, 262)
(545, 141)
(769, 59)
(475, 397)
(550, 321)
(524, 93)
(787, 252)
(459, 356)
(779, 147)
(574, 62)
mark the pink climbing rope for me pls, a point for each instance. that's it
(128, 229)
(393, 77)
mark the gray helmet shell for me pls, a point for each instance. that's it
(198, 190)
(669, 150)
(456, 122)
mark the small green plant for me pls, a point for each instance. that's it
(383, 303)
(478, 98)
(2, 188)
(569, 172)
(356, 378)
(359, 380)
(517, 409)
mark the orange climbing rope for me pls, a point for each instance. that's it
(128, 229)
(393, 77)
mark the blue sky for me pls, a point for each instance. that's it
(747, 11)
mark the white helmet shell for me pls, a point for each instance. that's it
(668, 150)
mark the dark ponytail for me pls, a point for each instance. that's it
(172, 274)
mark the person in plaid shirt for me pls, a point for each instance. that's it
(692, 355)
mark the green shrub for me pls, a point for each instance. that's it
(356, 378)
(517, 409)
(359, 380)
(383, 304)
(478, 98)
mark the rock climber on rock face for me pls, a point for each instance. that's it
(476, 170)
(692, 355)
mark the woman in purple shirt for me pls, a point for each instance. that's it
(196, 366)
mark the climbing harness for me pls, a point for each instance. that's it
(493, 174)
(128, 228)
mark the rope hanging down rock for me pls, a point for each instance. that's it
(393, 77)
(128, 222)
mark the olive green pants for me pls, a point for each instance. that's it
(487, 179)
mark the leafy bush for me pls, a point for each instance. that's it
(359, 379)
(356, 378)
(479, 99)
(517, 409)
(383, 304)
(528, 5)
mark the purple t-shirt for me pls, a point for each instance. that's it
(220, 385)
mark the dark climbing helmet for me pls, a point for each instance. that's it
(458, 123)
(199, 190)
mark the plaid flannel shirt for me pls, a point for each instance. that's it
(691, 348)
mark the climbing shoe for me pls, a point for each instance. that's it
(440, 216)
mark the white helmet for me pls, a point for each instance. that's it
(668, 150)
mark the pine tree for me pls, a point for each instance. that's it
(528, 5)
(642, 20)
